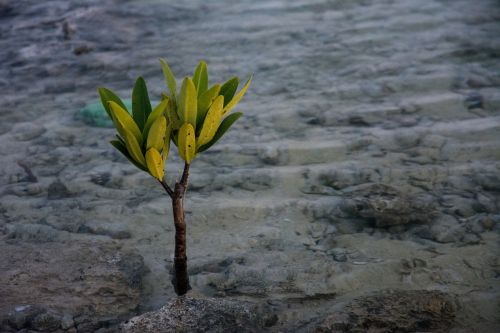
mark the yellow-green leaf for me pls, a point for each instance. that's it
(237, 98)
(169, 78)
(200, 78)
(188, 103)
(223, 127)
(204, 102)
(134, 148)
(212, 121)
(155, 164)
(157, 111)
(124, 122)
(186, 142)
(156, 134)
(107, 96)
(173, 117)
(120, 146)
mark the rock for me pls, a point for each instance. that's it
(60, 87)
(445, 229)
(394, 311)
(340, 257)
(488, 223)
(249, 181)
(20, 317)
(27, 131)
(111, 231)
(67, 321)
(460, 206)
(272, 155)
(36, 233)
(474, 100)
(46, 322)
(132, 265)
(387, 206)
(471, 239)
(186, 314)
(94, 280)
(57, 190)
(82, 49)
(340, 179)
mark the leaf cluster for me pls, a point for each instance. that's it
(193, 117)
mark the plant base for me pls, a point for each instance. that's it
(180, 279)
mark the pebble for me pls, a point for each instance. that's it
(340, 257)
(488, 223)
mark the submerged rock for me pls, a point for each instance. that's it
(186, 314)
(388, 206)
(50, 285)
(394, 311)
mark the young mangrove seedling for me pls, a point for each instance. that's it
(194, 119)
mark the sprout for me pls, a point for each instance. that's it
(194, 118)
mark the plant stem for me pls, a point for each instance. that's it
(166, 187)
(181, 277)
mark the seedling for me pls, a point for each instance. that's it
(194, 119)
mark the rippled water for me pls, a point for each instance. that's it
(367, 158)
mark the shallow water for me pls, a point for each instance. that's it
(367, 158)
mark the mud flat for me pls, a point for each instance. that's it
(366, 170)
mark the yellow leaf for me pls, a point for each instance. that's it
(204, 102)
(188, 103)
(157, 133)
(212, 121)
(186, 142)
(124, 122)
(134, 148)
(155, 164)
(157, 111)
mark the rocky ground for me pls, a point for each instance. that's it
(359, 192)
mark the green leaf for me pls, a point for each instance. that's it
(188, 103)
(169, 78)
(187, 143)
(141, 106)
(200, 78)
(120, 146)
(124, 122)
(155, 164)
(228, 89)
(109, 96)
(224, 126)
(211, 122)
(166, 142)
(175, 137)
(237, 98)
(204, 102)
